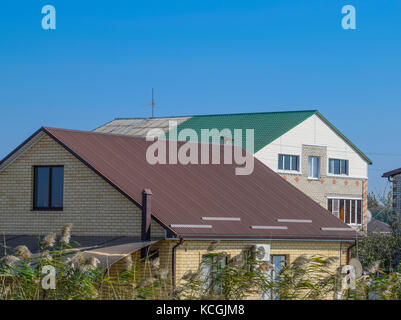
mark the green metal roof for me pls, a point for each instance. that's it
(268, 126)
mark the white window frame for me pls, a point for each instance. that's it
(311, 167)
(290, 170)
(337, 212)
(207, 271)
(337, 174)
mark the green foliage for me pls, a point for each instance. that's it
(238, 277)
(307, 279)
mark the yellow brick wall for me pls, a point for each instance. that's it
(90, 203)
(189, 254)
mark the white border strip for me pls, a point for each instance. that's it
(221, 218)
(336, 229)
(269, 227)
(294, 220)
(200, 226)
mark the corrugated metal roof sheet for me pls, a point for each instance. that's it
(377, 226)
(267, 126)
(138, 127)
(183, 194)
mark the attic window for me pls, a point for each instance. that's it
(48, 188)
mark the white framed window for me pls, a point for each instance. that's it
(278, 261)
(211, 266)
(347, 210)
(288, 162)
(338, 166)
(314, 167)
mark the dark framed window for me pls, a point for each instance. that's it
(48, 188)
(338, 166)
(288, 162)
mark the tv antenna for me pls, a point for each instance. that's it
(152, 104)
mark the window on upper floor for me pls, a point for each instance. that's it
(347, 210)
(48, 188)
(288, 162)
(314, 167)
(338, 166)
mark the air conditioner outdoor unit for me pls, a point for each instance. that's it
(262, 252)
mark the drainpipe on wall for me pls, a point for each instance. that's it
(146, 218)
(349, 251)
(365, 205)
(173, 261)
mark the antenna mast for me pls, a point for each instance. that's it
(152, 104)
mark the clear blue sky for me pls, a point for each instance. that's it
(202, 57)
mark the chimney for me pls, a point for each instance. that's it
(146, 214)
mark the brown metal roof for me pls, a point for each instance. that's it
(391, 173)
(183, 194)
(377, 226)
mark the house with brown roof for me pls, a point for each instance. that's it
(303, 147)
(119, 203)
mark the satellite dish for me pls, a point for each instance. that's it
(357, 266)
(368, 215)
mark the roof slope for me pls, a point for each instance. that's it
(377, 226)
(391, 173)
(183, 194)
(138, 127)
(267, 126)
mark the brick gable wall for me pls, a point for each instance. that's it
(90, 203)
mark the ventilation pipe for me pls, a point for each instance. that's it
(146, 218)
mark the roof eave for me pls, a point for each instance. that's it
(391, 173)
(364, 156)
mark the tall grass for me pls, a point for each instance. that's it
(240, 277)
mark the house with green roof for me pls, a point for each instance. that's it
(303, 147)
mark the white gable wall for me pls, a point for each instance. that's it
(313, 131)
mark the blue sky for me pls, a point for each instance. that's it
(203, 57)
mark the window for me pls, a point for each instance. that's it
(48, 188)
(210, 267)
(347, 210)
(288, 162)
(314, 167)
(278, 261)
(337, 166)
